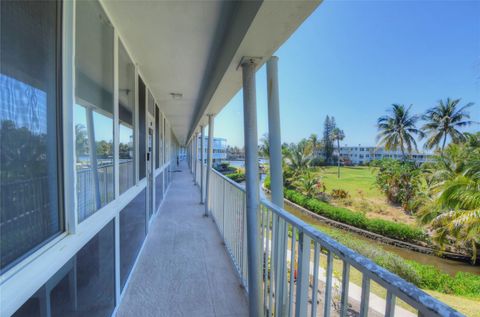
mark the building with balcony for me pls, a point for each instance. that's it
(96, 217)
(219, 149)
(359, 155)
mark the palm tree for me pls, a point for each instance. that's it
(338, 135)
(81, 140)
(443, 121)
(314, 141)
(398, 129)
(308, 184)
(454, 211)
(264, 149)
(298, 157)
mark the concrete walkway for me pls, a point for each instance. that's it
(183, 269)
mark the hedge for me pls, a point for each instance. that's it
(236, 177)
(385, 228)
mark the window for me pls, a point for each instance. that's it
(132, 234)
(84, 286)
(126, 114)
(151, 104)
(141, 129)
(157, 137)
(30, 130)
(94, 110)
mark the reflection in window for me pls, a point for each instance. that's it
(132, 234)
(84, 286)
(94, 109)
(126, 107)
(94, 149)
(30, 213)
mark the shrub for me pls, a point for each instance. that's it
(400, 181)
(423, 276)
(462, 283)
(383, 227)
(236, 177)
(339, 194)
(266, 182)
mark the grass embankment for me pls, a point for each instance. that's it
(461, 291)
(365, 197)
(465, 286)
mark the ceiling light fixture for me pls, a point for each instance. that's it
(176, 95)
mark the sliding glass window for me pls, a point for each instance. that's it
(126, 114)
(94, 108)
(30, 108)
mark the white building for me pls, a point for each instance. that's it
(358, 155)
(219, 149)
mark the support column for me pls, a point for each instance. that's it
(209, 162)
(252, 190)
(202, 159)
(276, 183)
(195, 157)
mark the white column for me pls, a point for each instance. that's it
(209, 162)
(276, 182)
(252, 190)
(195, 157)
(202, 159)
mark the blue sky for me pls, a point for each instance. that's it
(353, 59)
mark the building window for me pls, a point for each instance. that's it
(142, 130)
(157, 137)
(84, 286)
(126, 116)
(30, 130)
(94, 108)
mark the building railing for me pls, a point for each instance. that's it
(303, 268)
(86, 186)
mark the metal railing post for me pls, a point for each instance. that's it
(303, 275)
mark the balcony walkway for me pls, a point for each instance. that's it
(183, 269)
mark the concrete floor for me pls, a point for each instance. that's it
(183, 269)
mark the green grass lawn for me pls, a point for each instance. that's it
(352, 179)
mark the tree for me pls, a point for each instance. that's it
(454, 211)
(308, 184)
(264, 148)
(400, 181)
(443, 121)
(328, 127)
(397, 130)
(298, 157)
(81, 140)
(315, 142)
(338, 135)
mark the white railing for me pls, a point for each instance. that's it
(227, 206)
(303, 268)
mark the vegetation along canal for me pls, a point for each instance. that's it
(446, 265)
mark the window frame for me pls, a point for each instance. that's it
(13, 267)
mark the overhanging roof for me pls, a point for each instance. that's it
(194, 48)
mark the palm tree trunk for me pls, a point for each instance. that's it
(444, 141)
(338, 159)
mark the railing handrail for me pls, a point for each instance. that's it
(426, 304)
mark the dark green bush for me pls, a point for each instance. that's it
(462, 283)
(384, 227)
(236, 177)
